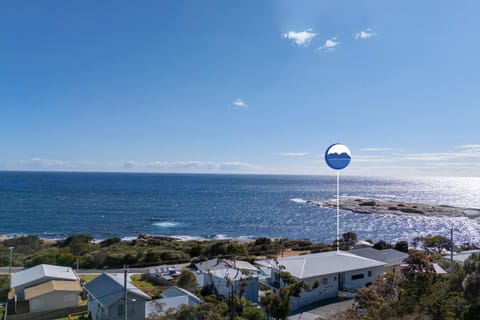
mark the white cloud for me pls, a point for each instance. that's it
(330, 44)
(364, 34)
(294, 154)
(44, 163)
(302, 38)
(239, 104)
(376, 149)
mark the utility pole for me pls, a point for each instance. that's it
(125, 275)
(10, 263)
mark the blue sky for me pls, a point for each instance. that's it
(240, 86)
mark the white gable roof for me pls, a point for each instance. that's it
(319, 264)
(46, 271)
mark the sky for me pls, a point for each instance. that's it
(240, 86)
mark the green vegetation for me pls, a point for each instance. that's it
(368, 204)
(411, 210)
(145, 251)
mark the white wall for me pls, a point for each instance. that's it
(354, 284)
(327, 288)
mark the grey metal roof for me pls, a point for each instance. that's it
(151, 307)
(462, 256)
(175, 291)
(220, 264)
(41, 271)
(232, 274)
(391, 257)
(319, 264)
(108, 288)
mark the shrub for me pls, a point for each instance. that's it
(368, 204)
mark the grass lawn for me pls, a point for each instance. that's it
(88, 277)
(145, 286)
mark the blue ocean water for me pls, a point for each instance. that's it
(55, 205)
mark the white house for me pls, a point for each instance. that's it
(106, 298)
(44, 288)
(227, 276)
(326, 273)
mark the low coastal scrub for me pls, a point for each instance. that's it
(144, 251)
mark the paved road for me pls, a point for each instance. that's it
(4, 270)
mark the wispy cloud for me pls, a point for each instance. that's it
(294, 154)
(364, 34)
(301, 38)
(239, 104)
(469, 147)
(330, 45)
(190, 166)
(376, 149)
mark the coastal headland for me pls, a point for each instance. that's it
(374, 206)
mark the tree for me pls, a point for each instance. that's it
(471, 282)
(278, 305)
(418, 262)
(348, 241)
(402, 246)
(382, 245)
(187, 281)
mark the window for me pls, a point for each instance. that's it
(357, 276)
(120, 310)
(369, 273)
(324, 281)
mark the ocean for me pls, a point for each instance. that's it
(204, 206)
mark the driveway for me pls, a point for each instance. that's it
(321, 312)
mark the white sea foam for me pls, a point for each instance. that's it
(166, 224)
(298, 200)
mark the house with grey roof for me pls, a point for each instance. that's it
(227, 276)
(326, 273)
(172, 298)
(106, 298)
(44, 288)
(393, 258)
(37, 275)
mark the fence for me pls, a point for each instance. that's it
(48, 315)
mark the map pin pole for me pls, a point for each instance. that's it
(338, 210)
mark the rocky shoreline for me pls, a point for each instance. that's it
(374, 206)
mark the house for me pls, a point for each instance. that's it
(106, 298)
(326, 273)
(229, 276)
(392, 258)
(45, 288)
(53, 295)
(37, 275)
(220, 264)
(173, 298)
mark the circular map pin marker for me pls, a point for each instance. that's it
(338, 156)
